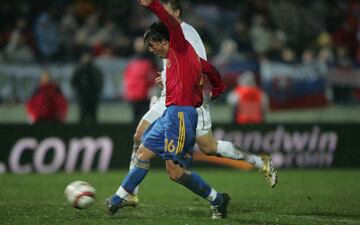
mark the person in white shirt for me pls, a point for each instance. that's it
(204, 137)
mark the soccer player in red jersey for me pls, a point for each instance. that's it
(173, 135)
(205, 139)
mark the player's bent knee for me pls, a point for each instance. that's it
(137, 137)
(207, 144)
(175, 172)
(207, 149)
(173, 175)
(143, 125)
(144, 154)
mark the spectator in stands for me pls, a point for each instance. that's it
(47, 104)
(17, 49)
(342, 56)
(343, 94)
(308, 56)
(210, 42)
(345, 38)
(84, 37)
(249, 101)
(278, 43)
(260, 34)
(103, 39)
(68, 27)
(228, 53)
(288, 56)
(242, 39)
(323, 40)
(87, 83)
(326, 56)
(47, 36)
(139, 80)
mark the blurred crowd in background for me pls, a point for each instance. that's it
(289, 31)
(240, 36)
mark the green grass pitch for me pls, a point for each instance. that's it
(301, 197)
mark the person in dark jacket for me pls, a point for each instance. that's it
(87, 82)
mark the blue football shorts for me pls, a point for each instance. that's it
(173, 135)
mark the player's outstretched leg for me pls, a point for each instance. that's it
(133, 199)
(261, 162)
(132, 179)
(269, 171)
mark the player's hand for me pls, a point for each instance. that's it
(216, 92)
(158, 80)
(145, 3)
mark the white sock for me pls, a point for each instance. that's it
(258, 162)
(136, 190)
(212, 195)
(227, 149)
(122, 193)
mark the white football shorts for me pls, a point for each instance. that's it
(204, 120)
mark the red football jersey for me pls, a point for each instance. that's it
(184, 81)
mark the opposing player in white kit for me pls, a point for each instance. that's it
(204, 137)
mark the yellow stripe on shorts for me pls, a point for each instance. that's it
(181, 139)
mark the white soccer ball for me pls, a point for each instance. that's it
(80, 194)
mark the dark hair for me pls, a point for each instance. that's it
(174, 4)
(157, 32)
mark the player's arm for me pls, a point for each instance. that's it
(178, 42)
(158, 79)
(214, 76)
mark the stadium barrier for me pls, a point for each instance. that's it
(50, 148)
(20, 81)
